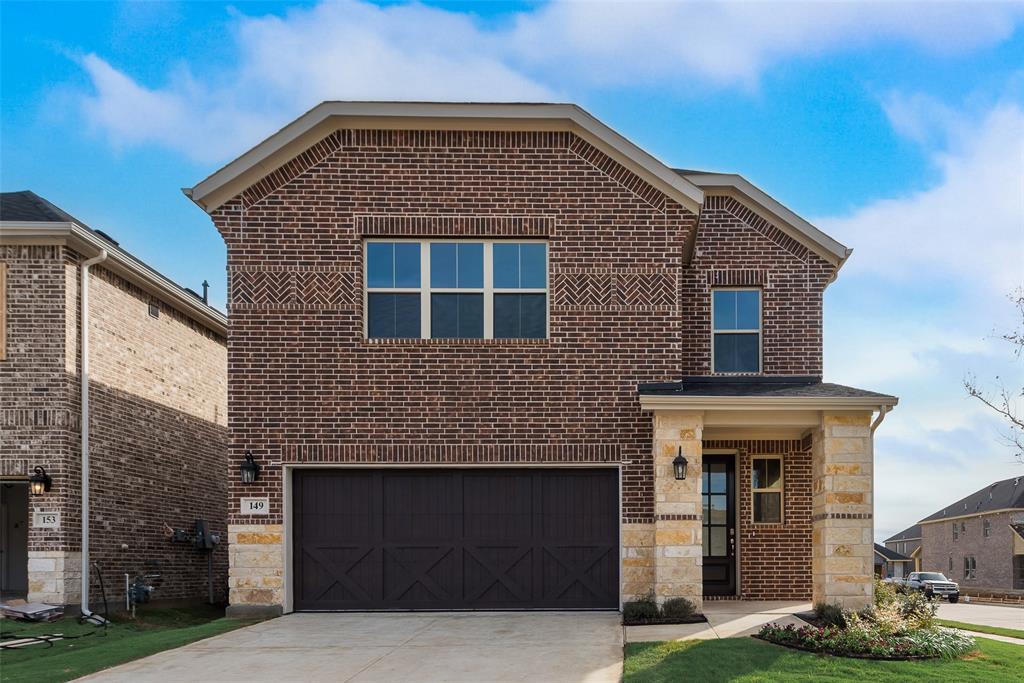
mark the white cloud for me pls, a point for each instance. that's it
(918, 305)
(356, 50)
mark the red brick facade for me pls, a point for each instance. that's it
(158, 429)
(306, 386)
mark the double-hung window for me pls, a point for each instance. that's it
(766, 488)
(970, 567)
(456, 289)
(736, 330)
(986, 528)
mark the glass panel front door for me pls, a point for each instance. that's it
(718, 496)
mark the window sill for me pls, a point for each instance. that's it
(456, 342)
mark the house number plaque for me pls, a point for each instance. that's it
(255, 506)
(46, 520)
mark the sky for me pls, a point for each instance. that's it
(898, 128)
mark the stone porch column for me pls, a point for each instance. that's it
(842, 569)
(677, 508)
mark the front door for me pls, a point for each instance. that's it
(718, 495)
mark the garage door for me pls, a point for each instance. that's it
(455, 539)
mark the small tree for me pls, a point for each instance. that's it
(1004, 400)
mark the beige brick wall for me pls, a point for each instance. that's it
(842, 511)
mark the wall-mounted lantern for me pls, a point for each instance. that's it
(679, 465)
(40, 482)
(250, 469)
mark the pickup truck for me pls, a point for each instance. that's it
(933, 584)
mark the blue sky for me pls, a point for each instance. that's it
(896, 127)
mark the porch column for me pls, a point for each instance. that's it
(842, 567)
(677, 508)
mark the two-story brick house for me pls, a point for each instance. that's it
(497, 356)
(156, 432)
(979, 540)
(908, 544)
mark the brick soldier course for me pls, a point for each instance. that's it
(634, 249)
(158, 413)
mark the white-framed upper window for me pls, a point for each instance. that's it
(736, 330)
(766, 487)
(456, 289)
(986, 528)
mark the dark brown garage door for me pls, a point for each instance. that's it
(456, 539)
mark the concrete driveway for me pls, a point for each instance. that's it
(473, 646)
(986, 615)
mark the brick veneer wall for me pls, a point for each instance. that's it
(305, 386)
(158, 431)
(35, 417)
(993, 555)
(774, 559)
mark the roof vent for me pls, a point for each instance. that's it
(107, 237)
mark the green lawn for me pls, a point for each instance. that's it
(747, 659)
(154, 631)
(994, 630)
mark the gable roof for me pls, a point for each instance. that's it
(890, 555)
(687, 187)
(911, 533)
(24, 215)
(1002, 495)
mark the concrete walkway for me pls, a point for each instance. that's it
(726, 619)
(510, 646)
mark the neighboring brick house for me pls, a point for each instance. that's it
(907, 543)
(889, 563)
(457, 334)
(979, 540)
(157, 400)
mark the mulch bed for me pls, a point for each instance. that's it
(660, 621)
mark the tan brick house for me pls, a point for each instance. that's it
(978, 541)
(157, 428)
(497, 356)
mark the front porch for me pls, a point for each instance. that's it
(777, 501)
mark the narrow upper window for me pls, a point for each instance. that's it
(736, 330)
(956, 531)
(951, 565)
(456, 289)
(986, 528)
(970, 567)
(766, 488)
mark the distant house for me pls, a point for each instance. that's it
(907, 542)
(157, 406)
(979, 540)
(889, 563)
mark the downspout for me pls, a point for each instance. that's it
(84, 377)
(882, 410)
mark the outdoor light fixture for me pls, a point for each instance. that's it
(39, 482)
(250, 469)
(679, 465)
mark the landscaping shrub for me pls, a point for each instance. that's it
(644, 609)
(830, 614)
(678, 608)
(885, 593)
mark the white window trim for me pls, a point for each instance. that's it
(781, 490)
(759, 331)
(425, 290)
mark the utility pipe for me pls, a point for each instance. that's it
(84, 378)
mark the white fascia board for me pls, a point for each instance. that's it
(699, 403)
(828, 248)
(118, 261)
(572, 116)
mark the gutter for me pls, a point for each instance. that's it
(84, 381)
